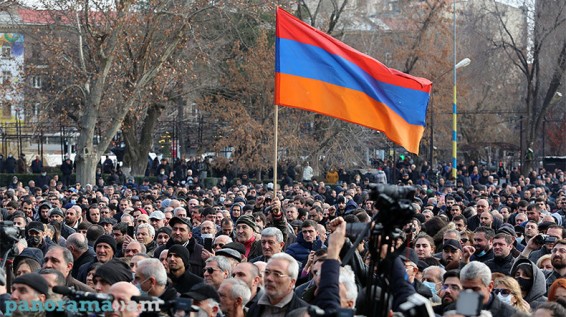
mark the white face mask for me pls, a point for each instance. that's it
(207, 235)
(505, 299)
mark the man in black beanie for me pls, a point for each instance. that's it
(105, 248)
(112, 272)
(182, 234)
(181, 276)
(27, 288)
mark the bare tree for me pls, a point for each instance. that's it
(111, 53)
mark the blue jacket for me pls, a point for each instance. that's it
(300, 250)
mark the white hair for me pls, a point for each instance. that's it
(222, 263)
(348, 279)
(153, 268)
(474, 270)
(293, 268)
(239, 289)
(149, 228)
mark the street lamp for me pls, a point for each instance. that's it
(463, 63)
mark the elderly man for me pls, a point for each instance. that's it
(280, 277)
(476, 276)
(206, 298)
(249, 273)
(234, 295)
(122, 293)
(217, 269)
(271, 244)
(246, 234)
(134, 248)
(151, 277)
(78, 245)
(61, 259)
(105, 248)
(145, 234)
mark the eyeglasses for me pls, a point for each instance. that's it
(464, 240)
(274, 273)
(451, 286)
(504, 292)
(559, 250)
(209, 270)
(218, 245)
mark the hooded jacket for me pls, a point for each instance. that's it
(535, 296)
(300, 250)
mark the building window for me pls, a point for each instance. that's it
(6, 75)
(6, 51)
(36, 81)
(36, 109)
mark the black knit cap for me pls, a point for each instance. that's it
(166, 230)
(181, 252)
(114, 271)
(33, 280)
(106, 239)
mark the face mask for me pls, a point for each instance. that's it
(519, 240)
(207, 236)
(73, 201)
(524, 283)
(43, 174)
(431, 286)
(143, 293)
(505, 299)
(546, 272)
(162, 173)
(221, 199)
(34, 241)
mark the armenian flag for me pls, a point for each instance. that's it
(315, 72)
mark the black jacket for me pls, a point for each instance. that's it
(501, 265)
(86, 257)
(195, 258)
(170, 294)
(257, 310)
(328, 297)
(184, 282)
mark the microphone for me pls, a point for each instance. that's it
(69, 292)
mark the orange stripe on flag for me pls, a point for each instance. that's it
(330, 100)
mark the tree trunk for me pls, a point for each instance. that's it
(139, 146)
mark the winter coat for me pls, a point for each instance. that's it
(300, 250)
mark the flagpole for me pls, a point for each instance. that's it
(275, 149)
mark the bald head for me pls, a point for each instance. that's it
(123, 292)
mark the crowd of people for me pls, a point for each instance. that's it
(251, 249)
